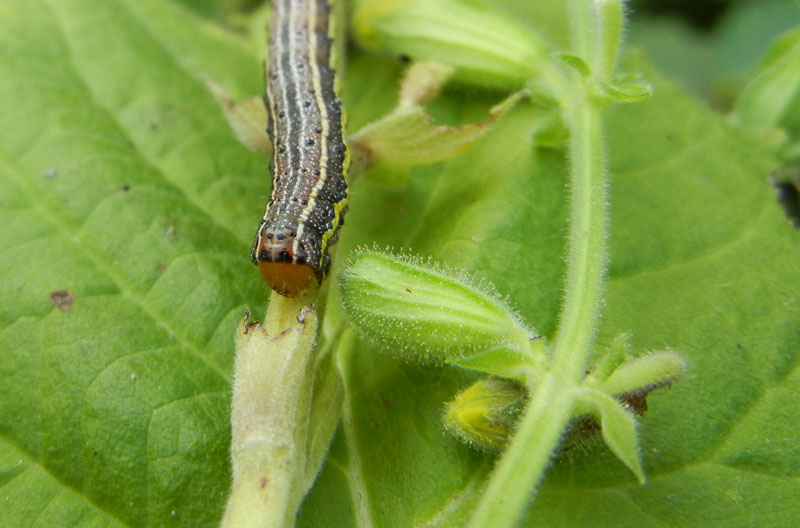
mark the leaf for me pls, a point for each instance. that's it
(714, 64)
(677, 49)
(771, 96)
(118, 407)
(645, 373)
(504, 362)
(407, 137)
(248, 119)
(746, 31)
(701, 260)
(618, 428)
(119, 182)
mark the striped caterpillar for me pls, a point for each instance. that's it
(309, 164)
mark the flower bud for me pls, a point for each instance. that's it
(423, 310)
(484, 414)
(483, 45)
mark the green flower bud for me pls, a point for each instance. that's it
(483, 45)
(484, 414)
(424, 310)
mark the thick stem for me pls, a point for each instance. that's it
(270, 415)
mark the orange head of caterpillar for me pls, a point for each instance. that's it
(282, 260)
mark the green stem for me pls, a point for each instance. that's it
(609, 20)
(273, 377)
(513, 483)
(586, 257)
(515, 480)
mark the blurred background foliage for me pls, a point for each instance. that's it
(706, 46)
(710, 46)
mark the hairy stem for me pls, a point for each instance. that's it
(586, 257)
(270, 416)
(515, 480)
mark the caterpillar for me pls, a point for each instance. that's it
(309, 158)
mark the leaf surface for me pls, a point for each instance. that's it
(121, 183)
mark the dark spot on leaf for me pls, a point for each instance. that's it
(126, 187)
(62, 299)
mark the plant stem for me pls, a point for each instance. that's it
(515, 480)
(270, 417)
(586, 257)
(609, 21)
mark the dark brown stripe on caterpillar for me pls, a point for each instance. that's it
(309, 164)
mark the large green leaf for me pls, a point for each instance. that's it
(120, 183)
(119, 171)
